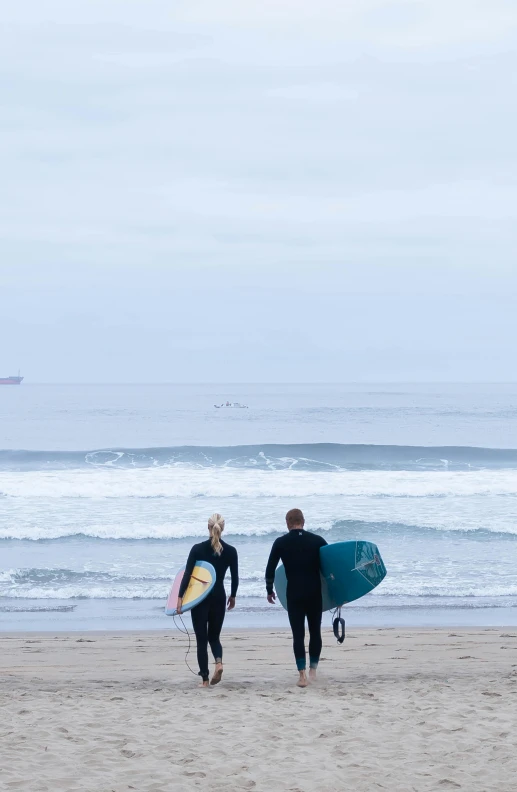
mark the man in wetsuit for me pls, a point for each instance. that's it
(299, 551)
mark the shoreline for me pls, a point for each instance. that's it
(49, 616)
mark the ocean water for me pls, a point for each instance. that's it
(103, 489)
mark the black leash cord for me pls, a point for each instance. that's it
(185, 632)
(338, 624)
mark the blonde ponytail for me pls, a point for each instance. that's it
(216, 527)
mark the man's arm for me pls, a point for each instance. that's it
(322, 543)
(274, 558)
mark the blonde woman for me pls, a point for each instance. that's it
(208, 616)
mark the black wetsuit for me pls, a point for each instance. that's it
(299, 551)
(208, 616)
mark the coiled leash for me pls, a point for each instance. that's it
(338, 624)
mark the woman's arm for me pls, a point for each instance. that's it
(189, 568)
(234, 571)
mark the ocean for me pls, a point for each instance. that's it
(104, 488)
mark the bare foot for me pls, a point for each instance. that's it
(312, 675)
(217, 674)
(302, 682)
(204, 683)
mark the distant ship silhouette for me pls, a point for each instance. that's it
(11, 380)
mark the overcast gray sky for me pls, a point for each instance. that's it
(258, 190)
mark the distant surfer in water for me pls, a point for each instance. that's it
(299, 551)
(208, 616)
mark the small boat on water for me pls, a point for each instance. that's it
(236, 405)
(12, 380)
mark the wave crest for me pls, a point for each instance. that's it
(310, 456)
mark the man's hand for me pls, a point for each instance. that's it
(231, 603)
(271, 598)
(179, 604)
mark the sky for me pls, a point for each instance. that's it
(259, 191)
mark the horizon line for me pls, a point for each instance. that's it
(276, 382)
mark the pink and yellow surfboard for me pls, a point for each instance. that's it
(200, 585)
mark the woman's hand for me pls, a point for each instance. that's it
(271, 598)
(231, 603)
(179, 604)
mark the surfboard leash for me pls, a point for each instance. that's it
(185, 632)
(338, 624)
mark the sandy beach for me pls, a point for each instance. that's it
(392, 710)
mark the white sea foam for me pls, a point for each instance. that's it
(47, 518)
(8, 575)
(227, 483)
(422, 587)
(158, 591)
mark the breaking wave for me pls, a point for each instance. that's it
(312, 457)
(67, 584)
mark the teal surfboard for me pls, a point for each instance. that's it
(349, 570)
